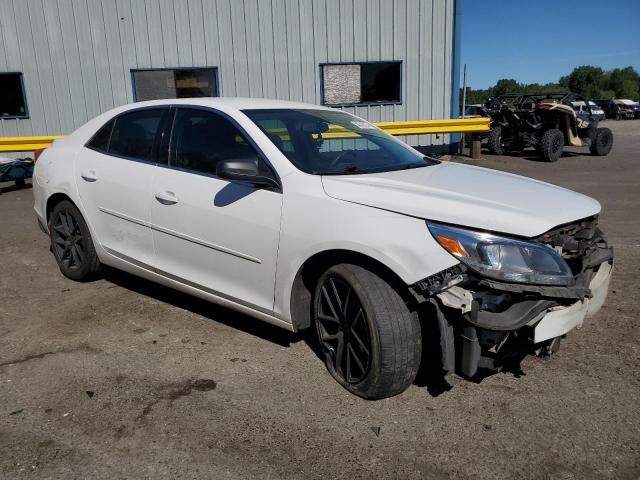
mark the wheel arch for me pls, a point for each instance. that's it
(304, 282)
(54, 200)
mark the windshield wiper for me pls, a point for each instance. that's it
(431, 161)
(427, 163)
(350, 170)
(413, 165)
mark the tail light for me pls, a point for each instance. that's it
(37, 153)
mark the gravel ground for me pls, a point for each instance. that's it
(120, 378)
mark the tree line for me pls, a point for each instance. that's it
(592, 82)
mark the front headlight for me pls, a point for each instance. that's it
(504, 258)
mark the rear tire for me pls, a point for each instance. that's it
(551, 145)
(494, 141)
(602, 142)
(370, 340)
(71, 243)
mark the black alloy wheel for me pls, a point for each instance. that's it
(343, 330)
(68, 241)
(371, 339)
(71, 243)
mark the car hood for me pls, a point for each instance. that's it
(464, 195)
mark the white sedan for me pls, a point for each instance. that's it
(304, 216)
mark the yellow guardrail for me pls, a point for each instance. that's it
(412, 127)
(451, 125)
(26, 144)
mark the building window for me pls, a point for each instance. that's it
(361, 83)
(13, 103)
(174, 83)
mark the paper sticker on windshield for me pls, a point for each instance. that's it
(362, 125)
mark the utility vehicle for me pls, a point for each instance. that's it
(629, 108)
(547, 123)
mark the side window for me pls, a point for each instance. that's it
(201, 139)
(100, 140)
(134, 133)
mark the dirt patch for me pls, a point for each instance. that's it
(38, 356)
(174, 391)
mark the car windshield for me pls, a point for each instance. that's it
(326, 142)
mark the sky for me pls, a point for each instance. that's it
(538, 41)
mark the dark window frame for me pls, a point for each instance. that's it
(24, 99)
(111, 123)
(164, 137)
(361, 104)
(155, 149)
(169, 142)
(216, 76)
(171, 152)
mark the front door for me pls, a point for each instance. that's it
(216, 235)
(114, 173)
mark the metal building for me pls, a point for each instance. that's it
(63, 62)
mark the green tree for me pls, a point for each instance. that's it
(625, 82)
(506, 85)
(607, 94)
(592, 82)
(585, 80)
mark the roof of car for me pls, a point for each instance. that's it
(82, 134)
(238, 103)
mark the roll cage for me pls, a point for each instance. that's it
(527, 102)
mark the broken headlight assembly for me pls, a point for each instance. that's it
(503, 258)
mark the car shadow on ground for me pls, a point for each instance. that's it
(201, 307)
(430, 375)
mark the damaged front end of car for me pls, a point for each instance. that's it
(509, 297)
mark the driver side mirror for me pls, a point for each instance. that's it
(245, 170)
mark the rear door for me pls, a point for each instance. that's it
(113, 173)
(216, 235)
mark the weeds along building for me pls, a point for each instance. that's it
(62, 62)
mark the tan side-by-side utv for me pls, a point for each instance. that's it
(546, 122)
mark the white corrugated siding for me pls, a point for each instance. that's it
(76, 55)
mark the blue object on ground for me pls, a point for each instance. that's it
(18, 169)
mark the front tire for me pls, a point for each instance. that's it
(494, 141)
(71, 243)
(551, 145)
(370, 340)
(602, 142)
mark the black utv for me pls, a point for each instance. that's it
(545, 122)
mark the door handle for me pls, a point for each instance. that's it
(89, 176)
(166, 198)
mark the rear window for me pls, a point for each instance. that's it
(100, 141)
(134, 134)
